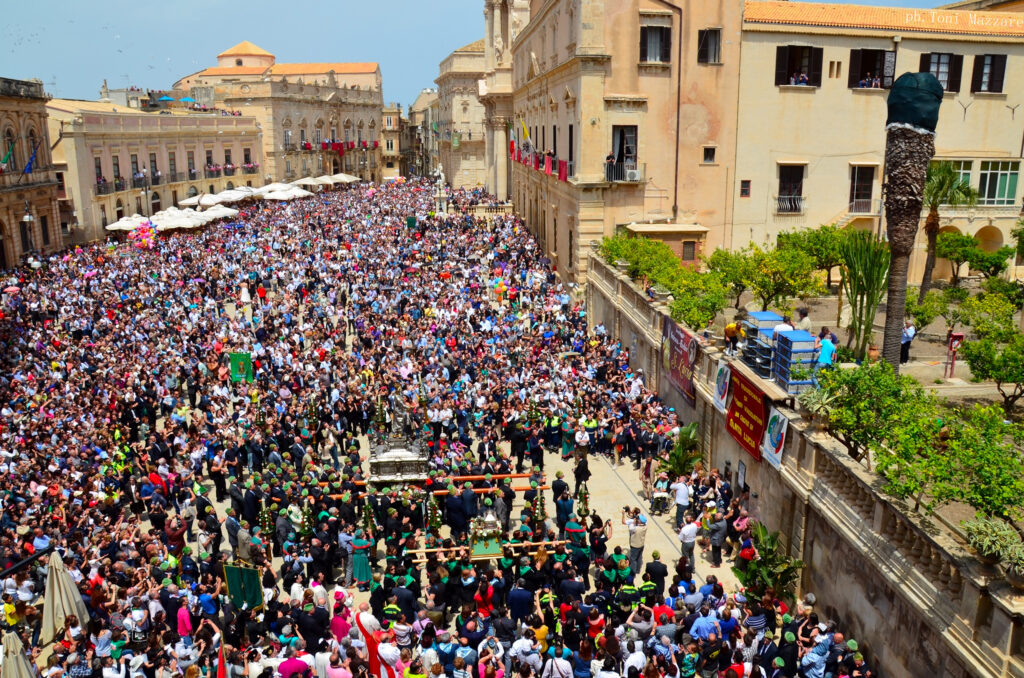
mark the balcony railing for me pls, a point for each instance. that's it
(173, 177)
(866, 206)
(789, 204)
(105, 188)
(193, 173)
(139, 182)
(156, 179)
(572, 168)
(250, 170)
(625, 172)
(229, 171)
(211, 173)
(288, 146)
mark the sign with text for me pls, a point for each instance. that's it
(746, 421)
(775, 437)
(683, 349)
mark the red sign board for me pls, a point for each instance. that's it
(683, 348)
(746, 418)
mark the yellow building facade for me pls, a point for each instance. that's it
(305, 110)
(461, 132)
(422, 118)
(29, 209)
(811, 154)
(391, 141)
(118, 161)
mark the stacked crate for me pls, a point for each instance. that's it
(794, 349)
(757, 354)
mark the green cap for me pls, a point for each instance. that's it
(787, 618)
(780, 662)
(166, 581)
(789, 637)
(851, 644)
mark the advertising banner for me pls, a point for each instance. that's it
(775, 438)
(683, 349)
(746, 420)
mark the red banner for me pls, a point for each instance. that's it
(683, 349)
(323, 145)
(563, 170)
(547, 164)
(375, 142)
(746, 418)
(536, 162)
(512, 148)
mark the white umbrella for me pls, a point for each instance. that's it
(326, 180)
(276, 186)
(345, 178)
(208, 200)
(15, 664)
(306, 181)
(62, 600)
(220, 212)
(231, 195)
(127, 223)
(190, 202)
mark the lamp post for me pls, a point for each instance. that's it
(28, 221)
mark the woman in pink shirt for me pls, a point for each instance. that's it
(184, 622)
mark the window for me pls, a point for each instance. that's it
(835, 69)
(554, 139)
(317, 137)
(191, 159)
(709, 154)
(174, 197)
(947, 68)
(989, 70)
(689, 250)
(44, 226)
(117, 166)
(138, 204)
(103, 216)
(119, 210)
(624, 144)
(227, 156)
(9, 148)
(152, 164)
(247, 155)
(209, 158)
(796, 65)
(390, 164)
(745, 188)
(135, 164)
(791, 189)
(709, 46)
(302, 136)
(387, 121)
(172, 163)
(998, 183)
(287, 138)
(862, 185)
(192, 191)
(97, 161)
(871, 68)
(238, 62)
(389, 144)
(334, 134)
(656, 44)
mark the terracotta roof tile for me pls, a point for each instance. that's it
(477, 46)
(233, 70)
(884, 18)
(245, 48)
(339, 68)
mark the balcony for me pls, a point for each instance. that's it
(139, 182)
(106, 188)
(193, 174)
(211, 173)
(789, 204)
(629, 172)
(156, 179)
(229, 171)
(288, 146)
(250, 169)
(866, 206)
(173, 177)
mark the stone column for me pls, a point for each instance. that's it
(500, 157)
(488, 35)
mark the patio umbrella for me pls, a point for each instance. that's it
(61, 600)
(190, 202)
(15, 664)
(165, 98)
(187, 100)
(345, 178)
(306, 181)
(276, 186)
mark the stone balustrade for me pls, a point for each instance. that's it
(902, 583)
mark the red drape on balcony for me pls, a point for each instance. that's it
(536, 162)
(323, 145)
(547, 165)
(512, 148)
(375, 142)
(563, 170)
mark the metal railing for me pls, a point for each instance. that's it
(229, 171)
(288, 145)
(139, 182)
(156, 179)
(789, 204)
(250, 170)
(629, 172)
(193, 173)
(866, 206)
(211, 173)
(105, 188)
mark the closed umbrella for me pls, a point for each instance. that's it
(15, 664)
(62, 599)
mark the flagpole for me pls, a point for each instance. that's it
(31, 160)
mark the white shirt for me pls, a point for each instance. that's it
(682, 493)
(688, 533)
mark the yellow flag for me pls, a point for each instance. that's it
(526, 132)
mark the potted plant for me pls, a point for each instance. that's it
(1013, 558)
(817, 402)
(990, 538)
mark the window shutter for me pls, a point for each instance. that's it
(977, 72)
(781, 65)
(995, 78)
(956, 72)
(643, 43)
(666, 45)
(817, 56)
(853, 76)
(926, 63)
(702, 47)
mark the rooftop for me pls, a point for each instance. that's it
(476, 46)
(324, 68)
(245, 48)
(953, 22)
(27, 89)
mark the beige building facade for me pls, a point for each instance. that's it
(635, 100)
(391, 141)
(315, 118)
(118, 161)
(29, 210)
(823, 159)
(423, 118)
(461, 131)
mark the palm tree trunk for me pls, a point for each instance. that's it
(931, 229)
(907, 154)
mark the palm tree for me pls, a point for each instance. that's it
(944, 185)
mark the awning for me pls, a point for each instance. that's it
(666, 228)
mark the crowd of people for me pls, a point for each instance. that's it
(129, 447)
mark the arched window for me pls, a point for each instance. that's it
(230, 185)
(192, 191)
(32, 149)
(10, 147)
(119, 211)
(238, 62)
(155, 202)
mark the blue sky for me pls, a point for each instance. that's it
(72, 45)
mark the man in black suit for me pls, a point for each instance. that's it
(658, 572)
(767, 651)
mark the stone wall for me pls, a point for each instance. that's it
(902, 584)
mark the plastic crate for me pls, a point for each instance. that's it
(760, 323)
(792, 349)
